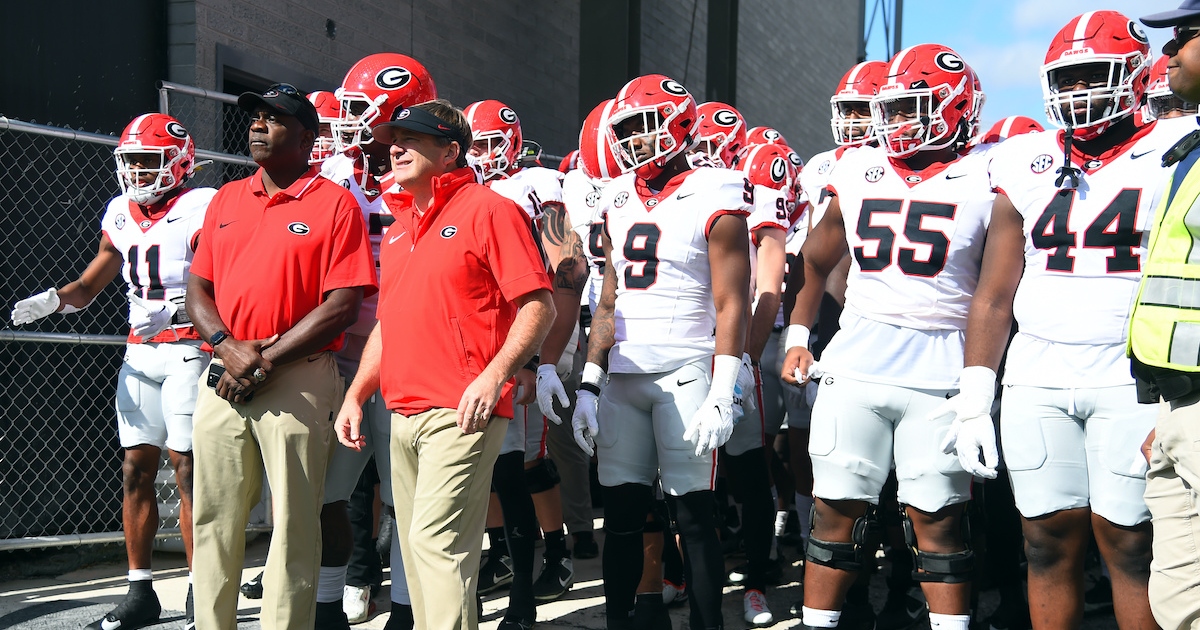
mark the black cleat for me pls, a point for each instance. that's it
(253, 589)
(495, 573)
(135, 611)
(558, 574)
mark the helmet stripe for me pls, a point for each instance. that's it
(1007, 128)
(1081, 30)
(136, 125)
(896, 63)
(854, 72)
(602, 141)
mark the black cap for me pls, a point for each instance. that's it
(283, 98)
(421, 121)
(1187, 11)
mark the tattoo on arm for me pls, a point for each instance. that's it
(572, 273)
(554, 223)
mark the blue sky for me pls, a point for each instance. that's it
(1006, 41)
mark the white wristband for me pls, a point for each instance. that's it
(593, 374)
(725, 374)
(795, 336)
(977, 378)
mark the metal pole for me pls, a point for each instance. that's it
(899, 21)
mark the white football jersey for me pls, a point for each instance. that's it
(531, 188)
(344, 171)
(815, 176)
(665, 317)
(158, 252)
(1083, 253)
(916, 242)
(581, 196)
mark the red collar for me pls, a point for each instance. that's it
(294, 191)
(444, 188)
(1091, 163)
(645, 194)
(911, 177)
(146, 216)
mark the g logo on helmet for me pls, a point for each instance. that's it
(795, 159)
(725, 118)
(874, 174)
(620, 199)
(393, 78)
(949, 62)
(1137, 32)
(449, 231)
(671, 86)
(176, 130)
(508, 116)
(298, 228)
(772, 135)
(778, 170)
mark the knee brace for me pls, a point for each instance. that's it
(948, 568)
(844, 556)
(542, 476)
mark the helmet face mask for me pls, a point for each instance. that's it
(154, 156)
(925, 103)
(654, 119)
(491, 150)
(850, 111)
(1095, 72)
(1160, 101)
(328, 113)
(497, 141)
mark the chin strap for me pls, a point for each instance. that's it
(1067, 169)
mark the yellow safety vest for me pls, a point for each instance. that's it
(1164, 329)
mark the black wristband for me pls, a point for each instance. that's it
(532, 364)
(590, 387)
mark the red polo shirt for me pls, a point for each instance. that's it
(272, 259)
(449, 280)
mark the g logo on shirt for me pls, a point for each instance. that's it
(449, 231)
(874, 174)
(298, 228)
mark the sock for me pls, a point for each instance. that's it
(139, 575)
(520, 597)
(330, 584)
(496, 542)
(815, 618)
(141, 588)
(400, 596)
(401, 617)
(938, 621)
(804, 511)
(556, 544)
(780, 522)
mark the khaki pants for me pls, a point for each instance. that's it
(1171, 494)
(440, 482)
(288, 430)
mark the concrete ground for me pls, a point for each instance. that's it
(80, 597)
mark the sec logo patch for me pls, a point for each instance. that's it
(298, 228)
(120, 221)
(1041, 163)
(874, 174)
(449, 231)
(620, 199)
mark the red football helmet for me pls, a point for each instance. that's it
(925, 103)
(771, 165)
(569, 163)
(497, 137)
(1160, 101)
(855, 91)
(976, 118)
(1011, 126)
(373, 89)
(658, 115)
(160, 135)
(764, 135)
(328, 110)
(722, 133)
(595, 153)
(1116, 53)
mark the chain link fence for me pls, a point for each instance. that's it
(60, 460)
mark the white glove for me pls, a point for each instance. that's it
(976, 392)
(712, 424)
(745, 398)
(814, 373)
(583, 422)
(550, 386)
(974, 441)
(38, 306)
(150, 317)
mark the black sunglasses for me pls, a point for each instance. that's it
(285, 88)
(1184, 34)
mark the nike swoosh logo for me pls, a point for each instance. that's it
(192, 359)
(173, 219)
(956, 176)
(681, 383)
(225, 224)
(682, 196)
(1134, 156)
(396, 238)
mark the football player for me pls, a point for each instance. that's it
(373, 89)
(525, 481)
(1063, 258)
(148, 235)
(674, 295)
(913, 215)
(1006, 128)
(722, 134)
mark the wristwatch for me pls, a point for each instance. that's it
(217, 338)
